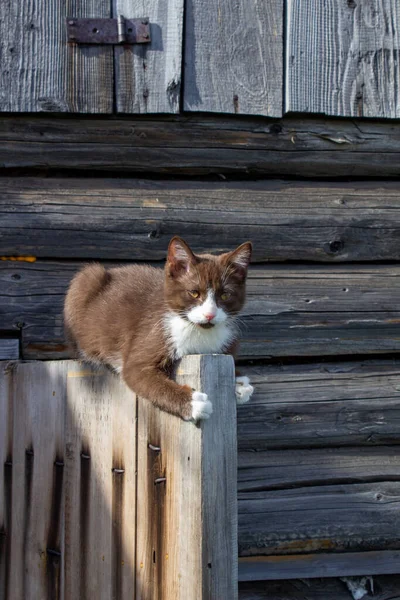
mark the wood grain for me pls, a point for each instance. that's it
(100, 491)
(37, 481)
(187, 542)
(200, 145)
(335, 518)
(9, 349)
(135, 219)
(342, 58)
(318, 406)
(234, 57)
(6, 436)
(306, 310)
(40, 72)
(343, 564)
(148, 76)
(385, 588)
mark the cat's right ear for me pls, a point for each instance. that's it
(179, 257)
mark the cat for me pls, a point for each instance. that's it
(140, 320)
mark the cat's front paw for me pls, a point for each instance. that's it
(243, 390)
(201, 406)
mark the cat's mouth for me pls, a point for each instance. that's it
(206, 325)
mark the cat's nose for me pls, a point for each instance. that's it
(209, 316)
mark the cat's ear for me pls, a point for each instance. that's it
(179, 257)
(240, 258)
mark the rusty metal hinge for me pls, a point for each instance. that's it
(108, 31)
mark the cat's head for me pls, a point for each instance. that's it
(205, 289)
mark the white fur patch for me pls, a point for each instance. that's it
(243, 390)
(201, 406)
(209, 307)
(188, 338)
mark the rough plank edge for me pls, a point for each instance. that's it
(9, 349)
(262, 568)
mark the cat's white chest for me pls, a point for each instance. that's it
(187, 338)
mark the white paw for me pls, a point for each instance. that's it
(201, 406)
(243, 390)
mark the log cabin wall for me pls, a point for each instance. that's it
(238, 121)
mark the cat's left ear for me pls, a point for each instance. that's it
(240, 259)
(179, 257)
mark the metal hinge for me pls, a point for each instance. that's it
(108, 31)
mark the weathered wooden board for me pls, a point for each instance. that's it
(186, 540)
(340, 564)
(234, 57)
(148, 76)
(386, 587)
(9, 348)
(37, 481)
(100, 485)
(6, 430)
(40, 72)
(135, 219)
(335, 518)
(193, 145)
(279, 469)
(321, 405)
(291, 311)
(343, 61)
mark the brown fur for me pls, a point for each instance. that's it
(116, 316)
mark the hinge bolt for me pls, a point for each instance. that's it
(146, 36)
(71, 22)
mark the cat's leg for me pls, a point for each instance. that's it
(154, 385)
(243, 389)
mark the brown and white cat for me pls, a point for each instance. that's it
(140, 320)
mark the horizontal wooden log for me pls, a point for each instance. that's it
(191, 145)
(135, 219)
(291, 311)
(334, 518)
(261, 568)
(319, 405)
(386, 587)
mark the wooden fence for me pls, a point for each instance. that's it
(103, 496)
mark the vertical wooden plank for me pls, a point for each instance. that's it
(343, 57)
(148, 76)
(234, 56)
(37, 481)
(187, 514)
(6, 419)
(100, 494)
(39, 71)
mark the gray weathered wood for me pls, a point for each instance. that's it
(148, 76)
(100, 490)
(134, 220)
(6, 431)
(334, 518)
(320, 405)
(187, 524)
(261, 568)
(37, 481)
(194, 145)
(234, 57)
(40, 72)
(386, 587)
(291, 311)
(278, 469)
(343, 60)
(9, 349)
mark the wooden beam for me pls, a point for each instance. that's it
(306, 310)
(135, 219)
(9, 349)
(199, 145)
(262, 568)
(187, 513)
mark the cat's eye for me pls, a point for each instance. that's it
(194, 293)
(225, 296)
